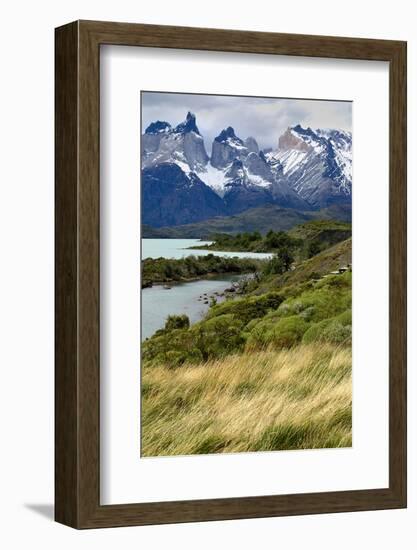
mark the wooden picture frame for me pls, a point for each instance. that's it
(77, 405)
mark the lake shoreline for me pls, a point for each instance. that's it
(175, 249)
(211, 275)
(191, 298)
(194, 276)
(192, 268)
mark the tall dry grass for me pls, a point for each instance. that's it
(265, 401)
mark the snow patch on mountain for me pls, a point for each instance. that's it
(342, 145)
(220, 179)
(290, 160)
(258, 181)
(214, 178)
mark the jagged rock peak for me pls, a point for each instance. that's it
(257, 165)
(301, 130)
(226, 134)
(236, 172)
(289, 140)
(189, 125)
(252, 145)
(158, 127)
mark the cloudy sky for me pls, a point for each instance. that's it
(263, 118)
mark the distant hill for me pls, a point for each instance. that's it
(317, 235)
(260, 219)
(322, 264)
(329, 260)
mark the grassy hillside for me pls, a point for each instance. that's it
(309, 270)
(278, 319)
(260, 219)
(327, 261)
(323, 232)
(290, 399)
(268, 370)
(261, 372)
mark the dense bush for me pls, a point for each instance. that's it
(218, 336)
(337, 333)
(174, 358)
(313, 248)
(177, 321)
(337, 330)
(281, 333)
(280, 262)
(315, 332)
(328, 297)
(211, 338)
(246, 309)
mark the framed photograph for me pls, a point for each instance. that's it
(230, 274)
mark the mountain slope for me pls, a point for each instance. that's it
(170, 197)
(318, 266)
(317, 165)
(260, 219)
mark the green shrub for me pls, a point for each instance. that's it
(326, 299)
(177, 321)
(315, 332)
(174, 358)
(218, 336)
(247, 309)
(337, 330)
(313, 248)
(337, 333)
(345, 318)
(284, 333)
(195, 356)
(287, 332)
(155, 349)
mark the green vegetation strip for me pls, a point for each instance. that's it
(162, 270)
(319, 311)
(305, 240)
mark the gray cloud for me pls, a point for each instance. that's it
(263, 118)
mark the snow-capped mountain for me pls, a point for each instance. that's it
(316, 164)
(309, 169)
(182, 145)
(241, 175)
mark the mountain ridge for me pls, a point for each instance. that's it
(260, 219)
(309, 170)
